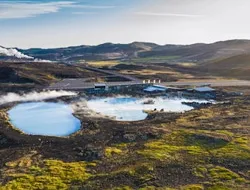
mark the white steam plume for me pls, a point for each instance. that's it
(14, 53)
(34, 96)
(43, 61)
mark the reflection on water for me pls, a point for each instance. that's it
(132, 109)
(40, 118)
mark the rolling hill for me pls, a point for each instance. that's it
(39, 73)
(226, 58)
(107, 51)
(237, 67)
(198, 53)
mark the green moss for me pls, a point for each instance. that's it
(122, 188)
(243, 140)
(156, 188)
(54, 175)
(193, 187)
(222, 174)
(160, 151)
(206, 141)
(175, 146)
(110, 151)
(234, 152)
(144, 188)
(225, 132)
(200, 171)
(219, 187)
(241, 180)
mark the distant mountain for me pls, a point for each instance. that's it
(107, 51)
(198, 53)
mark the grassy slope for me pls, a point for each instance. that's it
(235, 67)
(103, 63)
(202, 149)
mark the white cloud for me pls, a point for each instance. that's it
(30, 9)
(12, 10)
(92, 6)
(167, 14)
(85, 13)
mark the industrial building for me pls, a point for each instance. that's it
(155, 89)
(200, 92)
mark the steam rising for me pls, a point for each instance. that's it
(34, 96)
(125, 108)
(14, 53)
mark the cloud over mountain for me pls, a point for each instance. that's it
(9, 10)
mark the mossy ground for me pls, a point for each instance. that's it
(30, 172)
(202, 149)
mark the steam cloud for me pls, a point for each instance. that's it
(43, 61)
(34, 96)
(14, 52)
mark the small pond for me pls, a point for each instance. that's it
(132, 109)
(40, 118)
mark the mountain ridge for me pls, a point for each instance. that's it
(198, 52)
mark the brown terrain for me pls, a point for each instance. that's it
(207, 148)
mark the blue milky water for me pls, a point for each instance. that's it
(40, 118)
(132, 109)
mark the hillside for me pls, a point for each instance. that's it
(225, 58)
(198, 53)
(236, 67)
(107, 51)
(22, 75)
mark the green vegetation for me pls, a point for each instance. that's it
(154, 58)
(205, 149)
(103, 63)
(110, 151)
(50, 174)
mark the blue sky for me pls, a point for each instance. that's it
(57, 23)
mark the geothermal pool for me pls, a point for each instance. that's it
(40, 118)
(132, 109)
